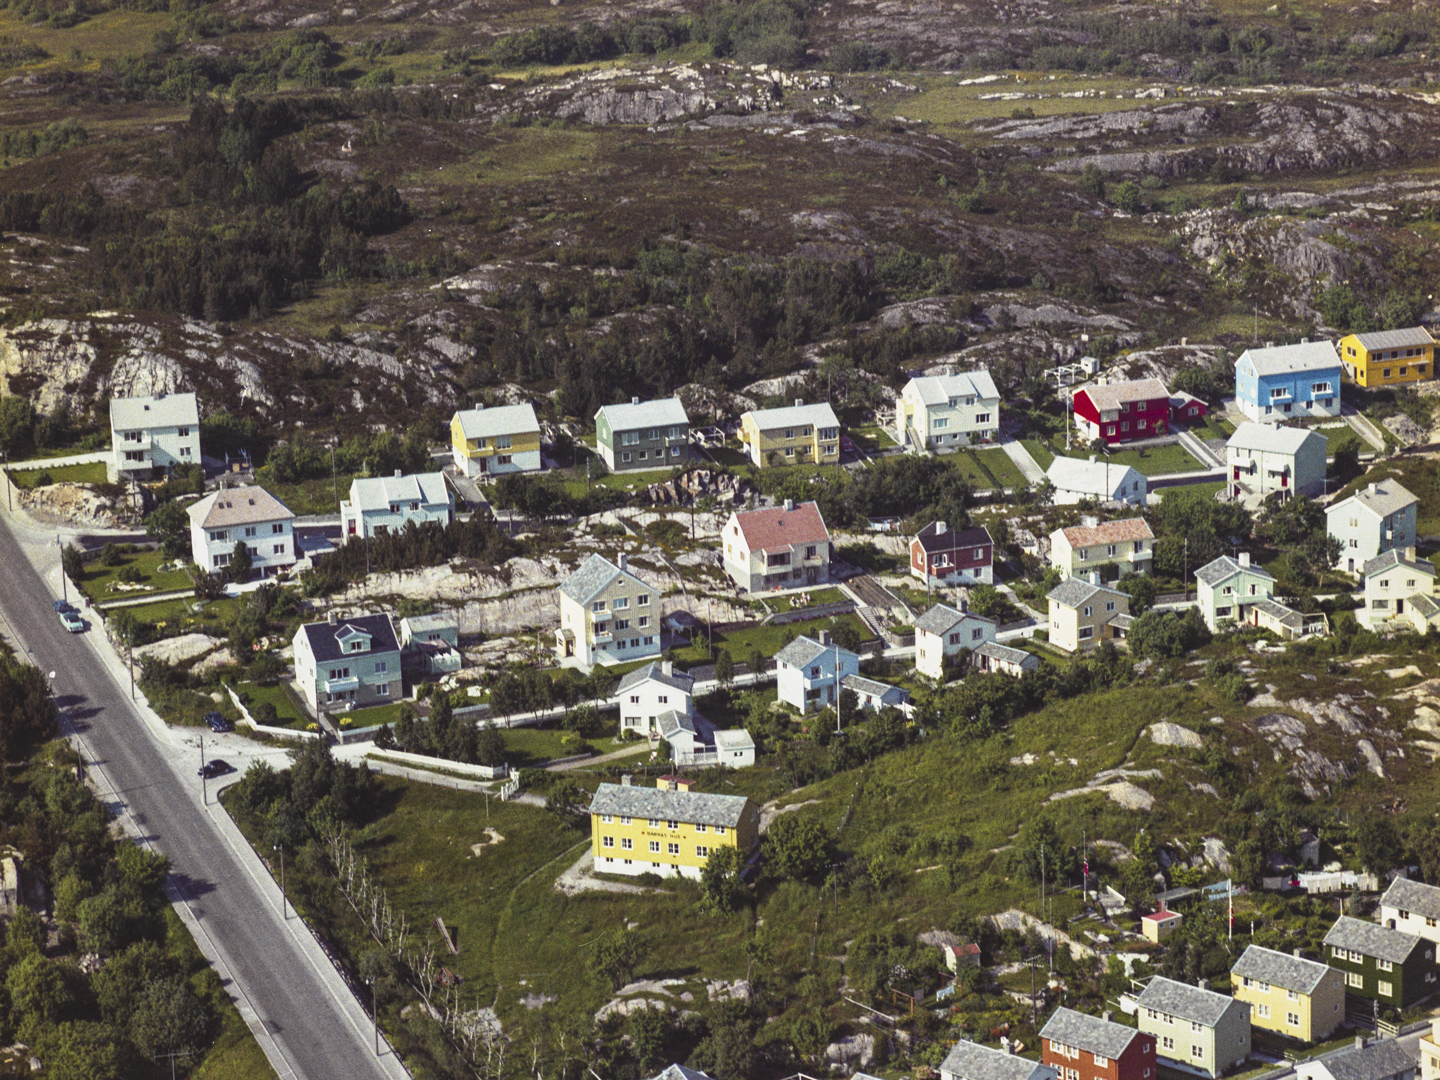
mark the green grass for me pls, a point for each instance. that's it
(1151, 461)
(769, 639)
(998, 464)
(526, 747)
(312, 496)
(1214, 427)
(728, 456)
(175, 617)
(817, 597)
(100, 581)
(291, 714)
(110, 34)
(870, 437)
(1042, 454)
(371, 717)
(90, 472)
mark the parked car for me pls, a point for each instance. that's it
(72, 621)
(218, 722)
(62, 606)
(215, 767)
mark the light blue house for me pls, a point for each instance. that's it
(384, 504)
(1288, 382)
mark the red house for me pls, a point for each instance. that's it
(1120, 412)
(1186, 408)
(1083, 1047)
(940, 555)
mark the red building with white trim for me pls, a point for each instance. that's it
(940, 555)
(1122, 412)
(1079, 1046)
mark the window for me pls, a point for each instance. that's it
(1263, 987)
(381, 667)
(1291, 995)
(701, 851)
(1196, 1027)
(699, 828)
(672, 824)
(620, 603)
(249, 531)
(982, 418)
(642, 600)
(1101, 1061)
(277, 529)
(1384, 989)
(672, 849)
(1110, 549)
(1354, 980)
(1197, 1051)
(634, 699)
(1292, 1019)
(789, 451)
(1384, 965)
(1274, 394)
(1109, 605)
(502, 442)
(942, 423)
(1086, 632)
(356, 646)
(954, 639)
(606, 819)
(1262, 1011)
(502, 459)
(663, 699)
(607, 841)
(719, 830)
(279, 549)
(1087, 611)
(654, 823)
(184, 451)
(1167, 1043)
(625, 455)
(627, 844)
(977, 634)
(598, 605)
(655, 847)
(810, 552)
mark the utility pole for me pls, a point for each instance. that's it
(204, 792)
(284, 908)
(64, 585)
(375, 1012)
(334, 479)
(9, 488)
(130, 660)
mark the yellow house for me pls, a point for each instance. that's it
(796, 435)
(1388, 357)
(489, 442)
(1084, 613)
(1287, 994)
(667, 829)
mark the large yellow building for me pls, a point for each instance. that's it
(667, 829)
(1287, 994)
(1388, 357)
(489, 442)
(796, 435)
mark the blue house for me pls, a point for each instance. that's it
(1288, 381)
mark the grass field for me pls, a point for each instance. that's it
(82, 47)
(371, 717)
(768, 639)
(173, 617)
(291, 714)
(793, 600)
(998, 464)
(102, 582)
(871, 437)
(1148, 461)
(529, 746)
(1042, 453)
(312, 496)
(1214, 427)
(90, 472)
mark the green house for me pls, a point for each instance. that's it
(1379, 964)
(643, 434)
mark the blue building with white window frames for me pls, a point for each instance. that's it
(1288, 382)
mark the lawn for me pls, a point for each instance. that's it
(816, 597)
(871, 437)
(371, 717)
(768, 639)
(290, 711)
(1214, 427)
(998, 464)
(1154, 460)
(1042, 454)
(181, 616)
(728, 456)
(526, 747)
(91, 472)
(312, 496)
(102, 583)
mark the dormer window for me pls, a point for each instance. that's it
(355, 646)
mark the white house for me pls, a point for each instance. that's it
(386, 504)
(734, 748)
(1382, 1059)
(1262, 460)
(808, 672)
(970, 1061)
(943, 631)
(1396, 584)
(649, 692)
(1380, 517)
(250, 514)
(943, 411)
(1075, 480)
(1412, 907)
(778, 547)
(348, 663)
(1197, 1029)
(153, 434)
(1228, 588)
(873, 695)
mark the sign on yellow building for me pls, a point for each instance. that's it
(667, 829)
(1388, 357)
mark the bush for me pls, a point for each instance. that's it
(130, 574)
(43, 478)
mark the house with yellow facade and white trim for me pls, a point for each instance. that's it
(796, 435)
(490, 442)
(667, 829)
(1388, 357)
(1289, 995)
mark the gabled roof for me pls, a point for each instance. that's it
(819, 415)
(1286, 616)
(1108, 532)
(237, 506)
(680, 1072)
(154, 411)
(692, 807)
(676, 680)
(971, 1061)
(1424, 605)
(1371, 939)
(1374, 1061)
(1287, 359)
(1226, 567)
(1113, 395)
(426, 624)
(1413, 896)
(671, 722)
(1005, 653)
(1185, 1001)
(1285, 970)
(872, 687)
(1394, 339)
(1270, 438)
(1085, 1032)
(500, 420)
(379, 492)
(1072, 592)
(776, 527)
(593, 574)
(733, 739)
(1382, 498)
(937, 537)
(1091, 477)
(806, 650)
(324, 638)
(1394, 559)
(939, 389)
(662, 412)
(942, 617)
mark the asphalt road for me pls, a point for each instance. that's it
(304, 1023)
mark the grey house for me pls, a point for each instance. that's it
(1385, 1059)
(643, 434)
(348, 664)
(971, 1061)
(1197, 1029)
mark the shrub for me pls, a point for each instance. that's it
(130, 574)
(43, 478)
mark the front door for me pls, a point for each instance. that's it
(1399, 607)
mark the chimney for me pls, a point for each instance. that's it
(624, 561)
(1184, 342)
(634, 401)
(1300, 954)
(799, 401)
(1410, 553)
(939, 528)
(964, 606)
(399, 473)
(1359, 1042)
(824, 636)
(626, 780)
(332, 617)
(1203, 984)
(1245, 558)
(1304, 341)
(479, 406)
(666, 667)
(1093, 459)
(1108, 1016)
(789, 505)
(1373, 488)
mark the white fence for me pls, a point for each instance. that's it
(482, 772)
(277, 732)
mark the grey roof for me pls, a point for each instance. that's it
(1395, 558)
(154, 411)
(1085, 1032)
(593, 575)
(1110, 396)
(1091, 477)
(1375, 1061)
(501, 420)
(1286, 616)
(1371, 939)
(806, 650)
(680, 1072)
(1425, 605)
(1226, 567)
(1395, 339)
(1285, 359)
(940, 618)
(1123, 621)
(662, 412)
(733, 739)
(971, 1061)
(420, 624)
(819, 415)
(939, 389)
(1005, 653)
(676, 680)
(671, 723)
(1285, 970)
(1413, 896)
(324, 638)
(872, 687)
(1185, 1001)
(1271, 438)
(1388, 497)
(1072, 592)
(692, 807)
(378, 492)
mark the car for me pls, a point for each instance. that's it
(218, 722)
(215, 767)
(72, 621)
(847, 445)
(62, 606)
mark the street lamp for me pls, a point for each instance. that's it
(375, 1011)
(284, 909)
(204, 789)
(64, 586)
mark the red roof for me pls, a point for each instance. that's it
(766, 530)
(1161, 916)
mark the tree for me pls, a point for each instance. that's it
(84, 1050)
(208, 586)
(240, 563)
(1247, 865)
(17, 426)
(567, 800)
(71, 561)
(39, 991)
(1377, 843)
(1165, 635)
(27, 712)
(987, 601)
(1425, 850)
(721, 890)
(1141, 590)
(102, 923)
(798, 848)
(724, 668)
(168, 1018)
(489, 745)
(616, 956)
(650, 1031)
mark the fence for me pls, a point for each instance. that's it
(276, 732)
(483, 772)
(1177, 598)
(820, 611)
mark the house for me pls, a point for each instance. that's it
(684, 735)
(667, 829)
(386, 504)
(1430, 1052)
(494, 441)
(1381, 963)
(607, 614)
(250, 515)
(650, 691)
(1197, 1029)
(971, 1061)
(780, 547)
(1262, 460)
(797, 435)
(1388, 357)
(1380, 517)
(1122, 412)
(1288, 381)
(734, 748)
(1395, 583)
(961, 956)
(943, 631)
(943, 411)
(643, 434)
(680, 1072)
(1115, 548)
(1083, 1047)
(431, 643)
(993, 656)
(1156, 926)
(1382, 1059)
(1412, 907)
(153, 434)
(1186, 409)
(1285, 622)
(1298, 998)
(1076, 480)
(1081, 613)
(940, 555)
(1227, 588)
(873, 695)
(348, 663)
(809, 673)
